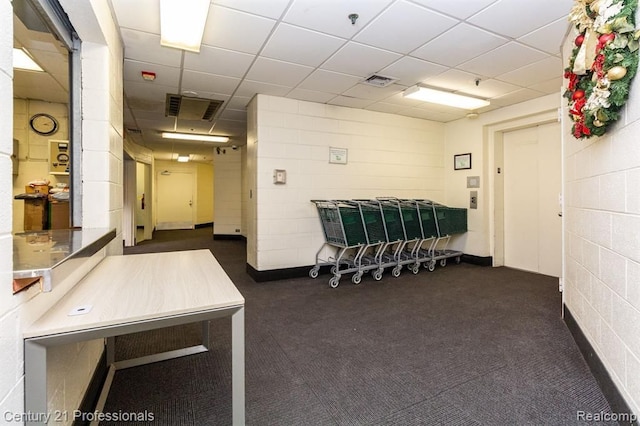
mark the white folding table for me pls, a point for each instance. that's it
(127, 294)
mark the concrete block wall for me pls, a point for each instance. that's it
(602, 242)
(387, 155)
(11, 383)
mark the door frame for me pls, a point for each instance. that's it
(494, 160)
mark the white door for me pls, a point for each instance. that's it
(175, 201)
(532, 186)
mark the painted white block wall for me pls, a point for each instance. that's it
(388, 155)
(11, 383)
(602, 242)
(71, 366)
(227, 197)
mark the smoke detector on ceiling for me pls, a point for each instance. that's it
(378, 80)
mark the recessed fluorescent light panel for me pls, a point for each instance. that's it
(183, 158)
(195, 137)
(444, 98)
(182, 23)
(22, 61)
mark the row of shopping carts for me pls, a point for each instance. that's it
(374, 235)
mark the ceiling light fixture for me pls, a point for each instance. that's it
(183, 158)
(182, 23)
(444, 98)
(23, 61)
(195, 137)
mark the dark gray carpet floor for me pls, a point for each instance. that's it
(463, 345)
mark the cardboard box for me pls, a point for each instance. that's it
(35, 214)
(43, 189)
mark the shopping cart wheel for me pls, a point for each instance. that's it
(432, 266)
(333, 282)
(356, 278)
(334, 269)
(415, 268)
(458, 259)
(443, 262)
(396, 271)
(313, 273)
(377, 274)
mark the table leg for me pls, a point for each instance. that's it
(35, 383)
(205, 334)
(237, 366)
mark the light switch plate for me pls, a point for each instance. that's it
(279, 176)
(473, 199)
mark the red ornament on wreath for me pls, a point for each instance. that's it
(579, 40)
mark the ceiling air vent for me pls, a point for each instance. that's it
(189, 108)
(379, 80)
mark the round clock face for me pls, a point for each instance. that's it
(44, 124)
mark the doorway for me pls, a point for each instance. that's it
(532, 188)
(175, 200)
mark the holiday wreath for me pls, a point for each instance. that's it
(602, 64)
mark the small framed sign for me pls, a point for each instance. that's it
(462, 161)
(337, 155)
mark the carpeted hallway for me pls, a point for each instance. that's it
(464, 345)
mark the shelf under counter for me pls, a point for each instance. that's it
(37, 253)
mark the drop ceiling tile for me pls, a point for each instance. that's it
(203, 82)
(249, 88)
(516, 97)
(165, 76)
(365, 91)
(360, 60)
(160, 124)
(404, 27)
(310, 95)
(550, 86)
(150, 93)
(349, 102)
(146, 47)
(137, 103)
(516, 18)
(507, 57)
(238, 102)
(457, 80)
(271, 9)
(278, 72)
(385, 107)
(218, 61)
(537, 72)
(410, 71)
(235, 30)
(548, 38)
(310, 47)
(234, 114)
(331, 17)
(460, 9)
(328, 81)
(141, 15)
(460, 44)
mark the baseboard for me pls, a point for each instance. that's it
(203, 225)
(616, 401)
(478, 260)
(228, 237)
(91, 396)
(282, 274)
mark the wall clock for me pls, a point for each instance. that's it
(43, 124)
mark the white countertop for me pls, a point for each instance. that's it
(124, 289)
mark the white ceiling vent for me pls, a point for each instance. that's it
(378, 80)
(189, 108)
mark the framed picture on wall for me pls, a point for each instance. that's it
(462, 161)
